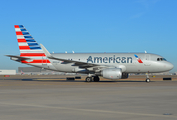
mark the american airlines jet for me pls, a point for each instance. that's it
(107, 65)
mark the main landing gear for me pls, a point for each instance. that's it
(88, 79)
(95, 79)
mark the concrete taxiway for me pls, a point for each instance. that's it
(40, 98)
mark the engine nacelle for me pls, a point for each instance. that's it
(124, 75)
(112, 73)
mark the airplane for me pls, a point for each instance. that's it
(108, 65)
(22, 72)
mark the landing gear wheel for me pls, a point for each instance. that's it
(88, 79)
(147, 80)
(96, 79)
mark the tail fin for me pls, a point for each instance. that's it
(26, 42)
(28, 46)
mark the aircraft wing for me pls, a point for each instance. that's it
(65, 61)
(89, 66)
(76, 63)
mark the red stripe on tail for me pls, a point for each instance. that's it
(31, 54)
(21, 40)
(24, 47)
(19, 33)
(16, 26)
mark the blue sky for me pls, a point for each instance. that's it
(91, 26)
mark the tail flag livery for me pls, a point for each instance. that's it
(26, 42)
(138, 59)
(29, 47)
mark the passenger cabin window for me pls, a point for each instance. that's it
(161, 59)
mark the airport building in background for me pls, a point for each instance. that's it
(7, 72)
(30, 69)
(38, 71)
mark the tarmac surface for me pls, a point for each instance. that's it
(54, 98)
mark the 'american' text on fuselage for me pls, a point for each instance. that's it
(113, 59)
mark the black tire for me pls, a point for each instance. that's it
(147, 80)
(88, 79)
(96, 79)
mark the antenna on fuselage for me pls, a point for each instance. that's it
(145, 52)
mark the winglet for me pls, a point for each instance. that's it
(45, 51)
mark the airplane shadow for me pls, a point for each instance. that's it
(77, 80)
(123, 81)
(64, 80)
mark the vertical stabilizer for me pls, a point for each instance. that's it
(26, 42)
(29, 47)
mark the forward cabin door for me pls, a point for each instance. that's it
(147, 60)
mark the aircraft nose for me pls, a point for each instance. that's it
(169, 66)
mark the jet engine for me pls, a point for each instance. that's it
(112, 73)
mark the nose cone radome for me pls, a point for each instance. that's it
(169, 66)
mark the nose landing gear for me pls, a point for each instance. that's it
(147, 78)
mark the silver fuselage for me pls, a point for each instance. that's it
(126, 61)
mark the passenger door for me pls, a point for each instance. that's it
(147, 60)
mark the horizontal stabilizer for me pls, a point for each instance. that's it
(19, 57)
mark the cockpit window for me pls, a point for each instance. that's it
(164, 59)
(161, 59)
